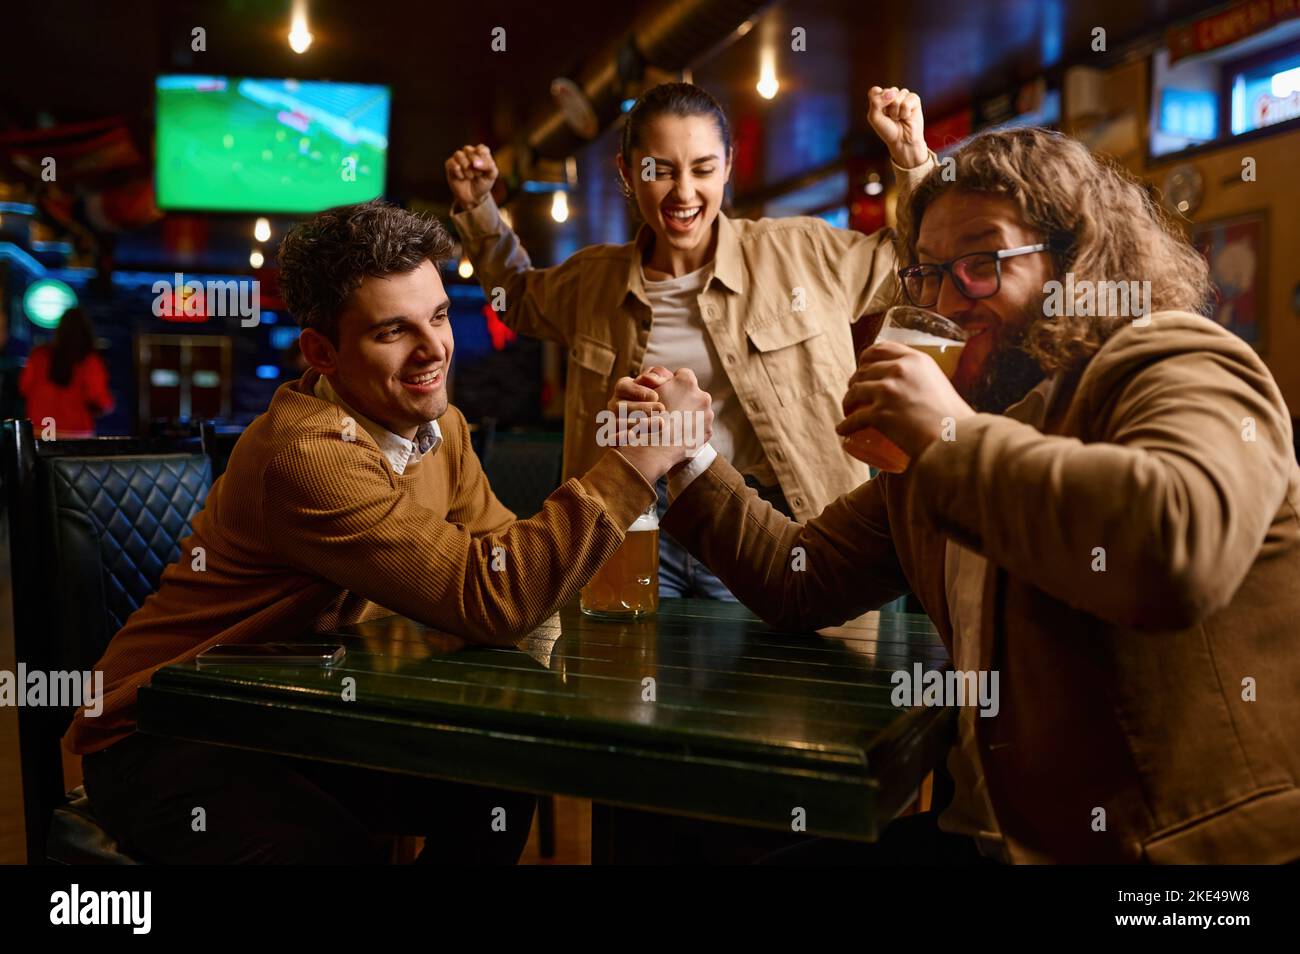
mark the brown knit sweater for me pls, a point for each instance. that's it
(306, 531)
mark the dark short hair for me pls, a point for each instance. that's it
(325, 259)
(672, 99)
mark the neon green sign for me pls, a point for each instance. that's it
(46, 301)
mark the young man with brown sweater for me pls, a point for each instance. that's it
(354, 496)
(1102, 508)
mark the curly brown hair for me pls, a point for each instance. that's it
(1102, 223)
(324, 260)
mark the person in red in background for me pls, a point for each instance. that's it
(65, 382)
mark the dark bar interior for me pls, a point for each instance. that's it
(694, 432)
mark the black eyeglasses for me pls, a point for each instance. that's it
(975, 275)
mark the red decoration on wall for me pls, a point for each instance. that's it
(747, 153)
(497, 330)
(185, 237)
(1228, 26)
(867, 212)
(948, 130)
(187, 306)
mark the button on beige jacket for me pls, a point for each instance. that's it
(777, 308)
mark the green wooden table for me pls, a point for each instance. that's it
(702, 710)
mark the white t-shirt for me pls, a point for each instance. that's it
(678, 339)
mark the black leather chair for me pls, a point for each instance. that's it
(92, 525)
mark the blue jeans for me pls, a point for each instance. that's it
(682, 575)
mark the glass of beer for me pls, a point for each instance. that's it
(925, 331)
(627, 585)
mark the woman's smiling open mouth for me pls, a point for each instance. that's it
(679, 218)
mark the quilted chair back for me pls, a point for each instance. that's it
(115, 524)
(92, 524)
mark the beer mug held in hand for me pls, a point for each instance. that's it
(925, 331)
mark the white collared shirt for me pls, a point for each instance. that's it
(397, 450)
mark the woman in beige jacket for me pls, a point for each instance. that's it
(761, 311)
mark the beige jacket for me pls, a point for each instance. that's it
(1164, 688)
(778, 311)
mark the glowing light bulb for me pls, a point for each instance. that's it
(256, 259)
(299, 36)
(560, 206)
(262, 229)
(465, 269)
(767, 83)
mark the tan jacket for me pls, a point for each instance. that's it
(1127, 689)
(778, 310)
(309, 529)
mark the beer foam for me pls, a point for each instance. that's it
(917, 339)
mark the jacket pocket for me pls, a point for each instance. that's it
(591, 354)
(795, 355)
(588, 384)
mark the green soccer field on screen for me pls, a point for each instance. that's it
(292, 146)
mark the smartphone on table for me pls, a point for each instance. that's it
(323, 655)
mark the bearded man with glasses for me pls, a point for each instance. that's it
(999, 371)
(1102, 509)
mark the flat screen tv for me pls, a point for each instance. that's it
(268, 145)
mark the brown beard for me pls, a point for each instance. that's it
(1010, 372)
